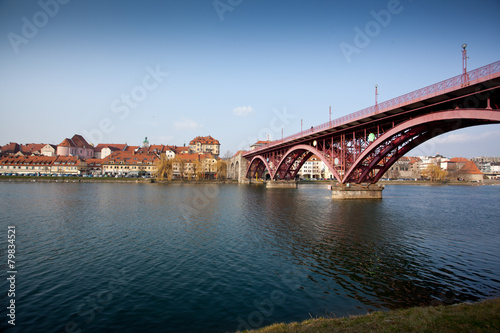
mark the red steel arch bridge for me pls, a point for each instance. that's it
(360, 147)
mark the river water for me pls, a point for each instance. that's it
(217, 258)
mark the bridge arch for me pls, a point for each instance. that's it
(287, 168)
(257, 166)
(382, 153)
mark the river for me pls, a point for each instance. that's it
(112, 257)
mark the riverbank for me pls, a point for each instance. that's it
(30, 179)
(213, 181)
(467, 317)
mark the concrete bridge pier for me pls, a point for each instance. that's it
(356, 191)
(282, 184)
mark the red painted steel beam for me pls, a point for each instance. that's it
(314, 151)
(463, 118)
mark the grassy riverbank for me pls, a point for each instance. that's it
(467, 317)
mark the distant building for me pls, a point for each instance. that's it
(103, 150)
(125, 162)
(313, 168)
(454, 164)
(49, 150)
(469, 172)
(42, 165)
(10, 149)
(31, 149)
(76, 146)
(204, 144)
(94, 166)
(73, 165)
(404, 168)
(259, 144)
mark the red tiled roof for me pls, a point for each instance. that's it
(204, 140)
(414, 160)
(239, 152)
(11, 148)
(31, 147)
(470, 168)
(80, 142)
(458, 159)
(131, 148)
(261, 142)
(94, 161)
(76, 141)
(69, 160)
(67, 143)
(188, 157)
(111, 146)
(207, 156)
(27, 160)
(130, 157)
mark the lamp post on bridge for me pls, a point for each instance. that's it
(376, 96)
(330, 114)
(464, 65)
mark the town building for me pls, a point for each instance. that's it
(123, 163)
(94, 166)
(76, 146)
(405, 168)
(103, 150)
(31, 149)
(204, 144)
(469, 172)
(313, 168)
(42, 165)
(49, 150)
(259, 144)
(9, 149)
(72, 165)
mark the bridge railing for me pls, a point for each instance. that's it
(473, 77)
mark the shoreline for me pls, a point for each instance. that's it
(482, 316)
(33, 179)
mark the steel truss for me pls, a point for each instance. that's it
(353, 157)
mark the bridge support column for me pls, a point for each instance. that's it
(281, 184)
(356, 191)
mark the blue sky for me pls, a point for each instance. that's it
(239, 70)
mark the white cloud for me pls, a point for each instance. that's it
(187, 124)
(467, 137)
(242, 111)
